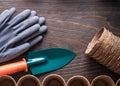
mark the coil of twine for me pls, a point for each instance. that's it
(105, 49)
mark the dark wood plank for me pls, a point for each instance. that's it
(72, 24)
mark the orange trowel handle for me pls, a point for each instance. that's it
(14, 67)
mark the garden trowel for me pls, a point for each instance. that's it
(40, 61)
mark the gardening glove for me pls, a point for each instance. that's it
(21, 33)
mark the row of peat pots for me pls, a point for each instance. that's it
(57, 80)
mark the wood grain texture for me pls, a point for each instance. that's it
(72, 24)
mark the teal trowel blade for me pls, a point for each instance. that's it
(54, 58)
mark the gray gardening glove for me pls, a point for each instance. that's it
(20, 33)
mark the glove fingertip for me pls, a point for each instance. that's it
(42, 20)
(43, 29)
(35, 17)
(36, 26)
(28, 10)
(13, 8)
(40, 37)
(12, 11)
(33, 12)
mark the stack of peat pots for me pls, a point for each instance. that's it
(105, 48)
(57, 80)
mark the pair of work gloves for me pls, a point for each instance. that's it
(19, 33)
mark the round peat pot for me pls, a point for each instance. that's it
(28, 80)
(78, 81)
(53, 80)
(7, 80)
(102, 80)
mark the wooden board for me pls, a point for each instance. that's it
(72, 24)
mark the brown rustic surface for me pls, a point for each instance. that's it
(72, 24)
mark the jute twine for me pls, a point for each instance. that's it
(105, 48)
